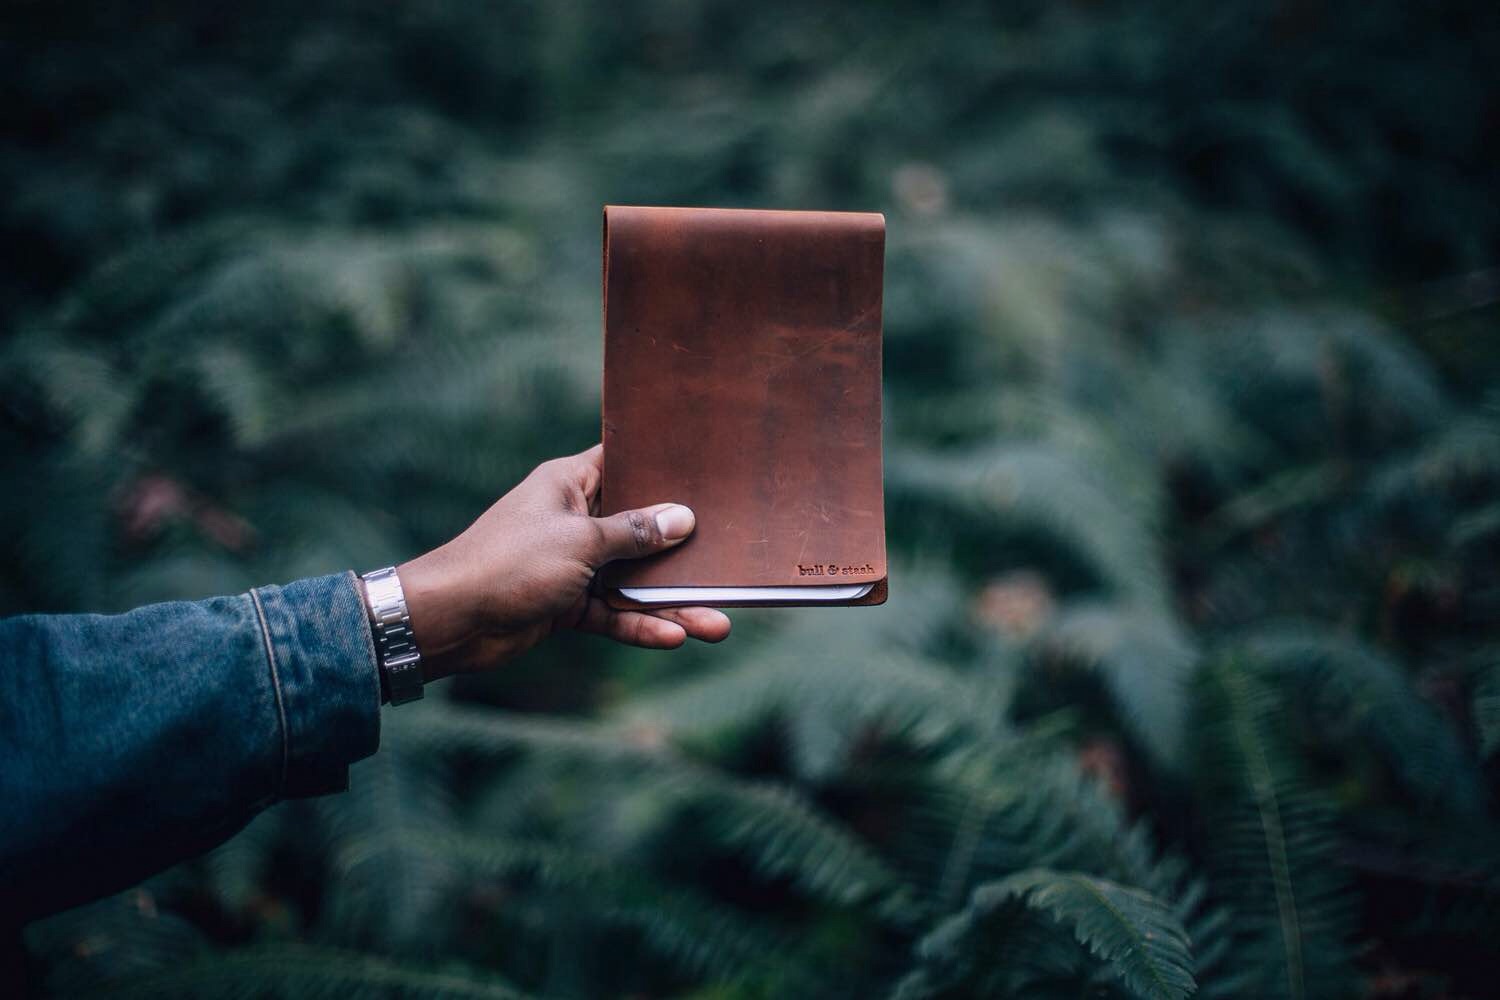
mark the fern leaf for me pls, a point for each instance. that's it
(776, 828)
(698, 934)
(1272, 842)
(1036, 809)
(1348, 685)
(393, 899)
(1135, 937)
(832, 695)
(1468, 450)
(1286, 491)
(1126, 928)
(118, 938)
(1144, 657)
(1023, 488)
(1281, 361)
(1477, 526)
(235, 869)
(830, 698)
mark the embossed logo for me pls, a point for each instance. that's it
(834, 569)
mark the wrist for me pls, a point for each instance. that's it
(440, 606)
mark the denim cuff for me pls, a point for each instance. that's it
(322, 662)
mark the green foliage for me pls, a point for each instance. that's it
(1487, 708)
(301, 971)
(1189, 671)
(1347, 693)
(1272, 845)
(1133, 935)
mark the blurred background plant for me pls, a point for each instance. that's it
(1190, 678)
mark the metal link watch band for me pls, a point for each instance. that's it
(400, 663)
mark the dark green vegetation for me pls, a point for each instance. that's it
(1191, 672)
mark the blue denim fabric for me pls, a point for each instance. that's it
(130, 742)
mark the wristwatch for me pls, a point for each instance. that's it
(395, 648)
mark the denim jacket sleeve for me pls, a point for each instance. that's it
(130, 742)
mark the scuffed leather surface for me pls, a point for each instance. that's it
(742, 357)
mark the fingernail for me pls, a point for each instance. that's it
(674, 522)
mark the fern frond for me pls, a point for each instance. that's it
(81, 386)
(782, 834)
(1292, 364)
(1475, 527)
(1272, 843)
(1045, 813)
(1127, 929)
(1466, 451)
(786, 838)
(1033, 807)
(235, 870)
(830, 699)
(1285, 491)
(1144, 657)
(116, 938)
(395, 900)
(830, 696)
(1026, 488)
(1133, 935)
(1346, 685)
(243, 390)
(697, 934)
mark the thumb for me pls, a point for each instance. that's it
(631, 534)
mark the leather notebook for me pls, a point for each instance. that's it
(742, 353)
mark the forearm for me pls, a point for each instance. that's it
(130, 742)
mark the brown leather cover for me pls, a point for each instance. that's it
(742, 378)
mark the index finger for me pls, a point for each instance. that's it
(592, 456)
(585, 470)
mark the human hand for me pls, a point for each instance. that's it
(522, 571)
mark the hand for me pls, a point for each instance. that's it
(522, 571)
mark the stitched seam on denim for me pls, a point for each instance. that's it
(265, 634)
(369, 634)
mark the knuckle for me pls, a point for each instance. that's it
(642, 530)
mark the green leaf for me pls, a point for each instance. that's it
(1353, 687)
(1271, 841)
(1130, 930)
(1136, 937)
